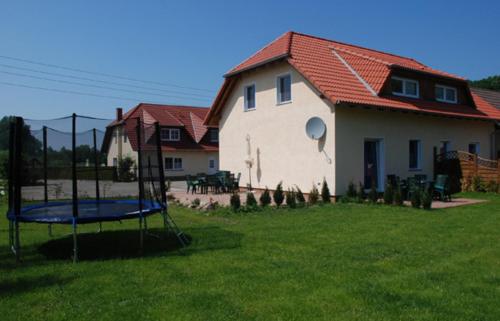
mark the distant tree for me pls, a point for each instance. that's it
(492, 82)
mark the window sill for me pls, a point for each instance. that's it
(284, 103)
(174, 170)
(414, 169)
(249, 109)
(406, 96)
(446, 101)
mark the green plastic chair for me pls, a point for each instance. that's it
(192, 184)
(442, 187)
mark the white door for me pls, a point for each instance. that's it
(212, 165)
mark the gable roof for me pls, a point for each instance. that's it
(351, 74)
(188, 117)
(491, 96)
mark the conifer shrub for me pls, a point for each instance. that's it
(313, 195)
(325, 192)
(278, 195)
(398, 197)
(426, 200)
(265, 198)
(235, 202)
(251, 201)
(416, 198)
(388, 194)
(301, 200)
(291, 198)
(360, 193)
(373, 194)
(351, 190)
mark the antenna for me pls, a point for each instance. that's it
(315, 128)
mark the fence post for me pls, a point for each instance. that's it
(498, 170)
(474, 159)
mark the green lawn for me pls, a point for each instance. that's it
(338, 262)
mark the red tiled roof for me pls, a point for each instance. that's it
(346, 73)
(187, 117)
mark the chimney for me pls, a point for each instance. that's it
(119, 113)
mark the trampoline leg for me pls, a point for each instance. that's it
(100, 227)
(145, 224)
(50, 230)
(75, 244)
(17, 245)
(141, 236)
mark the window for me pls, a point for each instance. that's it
(446, 94)
(170, 134)
(211, 163)
(445, 146)
(214, 135)
(124, 137)
(173, 164)
(284, 86)
(404, 87)
(115, 161)
(474, 148)
(415, 155)
(250, 97)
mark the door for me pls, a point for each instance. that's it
(212, 165)
(373, 164)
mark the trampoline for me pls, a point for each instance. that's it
(89, 211)
(71, 155)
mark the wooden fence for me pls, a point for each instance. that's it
(459, 164)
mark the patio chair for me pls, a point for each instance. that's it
(421, 177)
(192, 183)
(236, 182)
(442, 187)
(213, 183)
(393, 180)
(202, 181)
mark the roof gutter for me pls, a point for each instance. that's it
(230, 74)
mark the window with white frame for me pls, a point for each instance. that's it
(170, 134)
(173, 163)
(474, 148)
(249, 97)
(415, 154)
(404, 87)
(214, 135)
(284, 87)
(115, 161)
(446, 94)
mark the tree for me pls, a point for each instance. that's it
(492, 82)
(278, 195)
(325, 192)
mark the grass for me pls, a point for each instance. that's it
(337, 262)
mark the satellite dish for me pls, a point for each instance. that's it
(315, 128)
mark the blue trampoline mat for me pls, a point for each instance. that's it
(88, 211)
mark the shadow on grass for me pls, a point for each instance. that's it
(28, 284)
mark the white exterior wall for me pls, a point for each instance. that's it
(279, 145)
(396, 129)
(193, 162)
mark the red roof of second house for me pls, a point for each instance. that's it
(187, 117)
(346, 73)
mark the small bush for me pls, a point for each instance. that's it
(492, 187)
(291, 198)
(477, 184)
(398, 198)
(301, 200)
(278, 195)
(251, 201)
(313, 195)
(426, 200)
(235, 202)
(373, 194)
(265, 198)
(325, 192)
(196, 202)
(388, 194)
(416, 198)
(360, 194)
(351, 190)
(126, 172)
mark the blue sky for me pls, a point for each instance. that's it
(192, 44)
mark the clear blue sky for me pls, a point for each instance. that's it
(192, 44)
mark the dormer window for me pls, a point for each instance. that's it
(404, 87)
(446, 94)
(170, 134)
(214, 135)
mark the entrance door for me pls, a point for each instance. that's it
(372, 166)
(212, 165)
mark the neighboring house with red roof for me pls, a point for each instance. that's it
(384, 114)
(492, 97)
(188, 146)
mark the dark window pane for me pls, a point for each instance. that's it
(168, 163)
(250, 97)
(414, 157)
(411, 88)
(285, 90)
(440, 93)
(397, 86)
(450, 95)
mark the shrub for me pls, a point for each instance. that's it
(398, 198)
(196, 202)
(251, 201)
(126, 171)
(235, 202)
(313, 195)
(388, 194)
(416, 198)
(351, 190)
(373, 194)
(360, 195)
(492, 187)
(477, 184)
(265, 198)
(466, 184)
(291, 198)
(325, 192)
(301, 200)
(278, 195)
(426, 200)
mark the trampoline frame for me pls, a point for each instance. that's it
(16, 211)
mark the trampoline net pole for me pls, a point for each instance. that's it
(140, 181)
(45, 191)
(96, 171)
(75, 188)
(12, 132)
(18, 161)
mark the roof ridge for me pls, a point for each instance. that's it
(177, 119)
(357, 46)
(355, 73)
(194, 128)
(167, 105)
